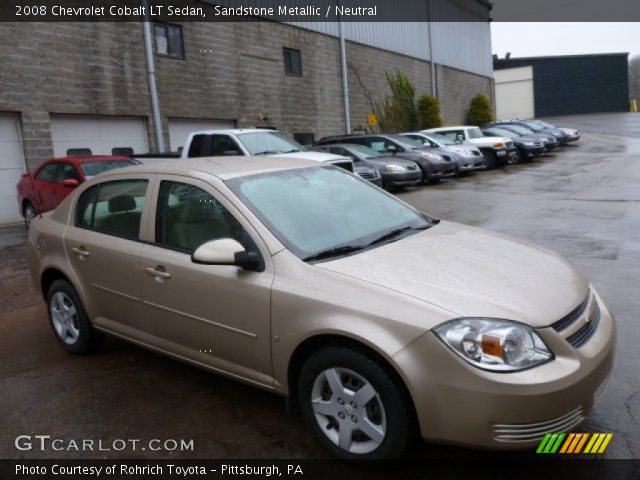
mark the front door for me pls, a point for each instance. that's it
(214, 315)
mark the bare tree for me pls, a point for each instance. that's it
(634, 77)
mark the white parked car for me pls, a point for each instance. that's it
(497, 151)
(250, 142)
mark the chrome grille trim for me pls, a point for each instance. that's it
(566, 321)
(583, 335)
(529, 432)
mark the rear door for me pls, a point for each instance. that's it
(215, 315)
(103, 244)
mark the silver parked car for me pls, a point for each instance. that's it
(467, 157)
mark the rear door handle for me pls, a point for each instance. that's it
(158, 272)
(80, 251)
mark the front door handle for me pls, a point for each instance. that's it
(158, 272)
(80, 251)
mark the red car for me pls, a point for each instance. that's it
(56, 178)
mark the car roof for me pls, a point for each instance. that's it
(89, 158)
(234, 130)
(222, 167)
(450, 127)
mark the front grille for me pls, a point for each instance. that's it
(565, 322)
(371, 175)
(447, 158)
(583, 335)
(509, 144)
(532, 432)
(589, 312)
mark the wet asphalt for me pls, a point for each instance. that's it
(583, 202)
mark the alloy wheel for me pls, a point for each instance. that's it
(348, 410)
(65, 318)
(29, 214)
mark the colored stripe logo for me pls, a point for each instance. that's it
(574, 443)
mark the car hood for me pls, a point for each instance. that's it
(472, 273)
(381, 162)
(488, 140)
(310, 155)
(462, 148)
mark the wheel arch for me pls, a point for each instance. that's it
(50, 275)
(316, 342)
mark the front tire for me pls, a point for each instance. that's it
(354, 406)
(490, 160)
(69, 320)
(29, 213)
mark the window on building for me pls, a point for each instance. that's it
(169, 40)
(292, 62)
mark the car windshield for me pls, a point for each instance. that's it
(365, 152)
(501, 132)
(90, 169)
(324, 212)
(269, 143)
(541, 123)
(441, 139)
(407, 142)
(520, 130)
(475, 133)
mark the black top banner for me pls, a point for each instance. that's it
(321, 10)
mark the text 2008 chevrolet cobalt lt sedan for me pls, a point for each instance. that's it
(305, 280)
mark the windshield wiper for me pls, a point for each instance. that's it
(333, 252)
(395, 233)
(268, 152)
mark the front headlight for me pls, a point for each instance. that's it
(395, 168)
(493, 344)
(499, 145)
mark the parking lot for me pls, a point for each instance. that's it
(582, 201)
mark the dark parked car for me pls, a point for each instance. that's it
(434, 167)
(467, 157)
(550, 142)
(529, 146)
(560, 136)
(573, 135)
(396, 172)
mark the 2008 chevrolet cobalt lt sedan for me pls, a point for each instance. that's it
(379, 320)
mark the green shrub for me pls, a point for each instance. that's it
(428, 108)
(397, 112)
(480, 111)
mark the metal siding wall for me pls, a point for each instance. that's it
(462, 45)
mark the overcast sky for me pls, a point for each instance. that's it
(538, 39)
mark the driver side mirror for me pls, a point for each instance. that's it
(227, 251)
(70, 183)
(460, 137)
(392, 149)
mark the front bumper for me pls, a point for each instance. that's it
(469, 163)
(437, 171)
(532, 152)
(460, 404)
(401, 179)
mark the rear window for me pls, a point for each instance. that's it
(91, 169)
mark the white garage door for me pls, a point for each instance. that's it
(100, 134)
(11, 167)
(180, 128)
(514, 93)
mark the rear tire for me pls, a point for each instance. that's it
(355, 407)
(29, 213)
(69, 320)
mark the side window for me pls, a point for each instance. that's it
(379, 144)
(86, 207)
(48, 172)
(292, 62)
(67, 172)
(222, 145)
(113, 207)
(187, 217)
(196, 146)
(452, 134)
